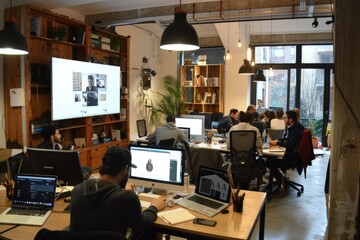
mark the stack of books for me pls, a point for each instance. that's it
(95, 40)
(105, 43)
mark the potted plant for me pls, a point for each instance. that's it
(314, 127)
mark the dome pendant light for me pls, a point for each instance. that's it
(259, 77)
(12, 42)
(246, 68)
(179, 35)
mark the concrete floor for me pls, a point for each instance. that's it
(298, 218)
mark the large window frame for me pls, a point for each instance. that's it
(298, 66)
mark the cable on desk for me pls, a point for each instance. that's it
(9, 229)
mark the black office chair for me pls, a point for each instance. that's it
(141, 127)
(46, 234)
(244, 163)
(19, 163)
(167, 142)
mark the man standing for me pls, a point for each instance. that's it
(228, 121)
(91, 92)
(52, 138)
(103, 204)
(168, 131)
(290, 158)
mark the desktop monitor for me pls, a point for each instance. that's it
(157, 167)
(208, 118)
(64, 164)
(196, 123)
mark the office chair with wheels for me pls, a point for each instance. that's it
(46, 234)
(167, 142)
(244, 164)
(300, 159)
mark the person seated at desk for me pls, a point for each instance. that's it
(245, 124)
(228, 121)
(170, 130)
(52, 138)
(104, 204)
(278, 123)
(294, 130)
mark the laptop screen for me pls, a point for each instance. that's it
(34, 191)
(213, 183)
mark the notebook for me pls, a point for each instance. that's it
(212, 192)
(33, 200)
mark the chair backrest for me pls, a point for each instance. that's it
(19, 163)
(167, 142)
(275, 134)
(188, 166)
(305, 149)
(141, 127)
(243, 156)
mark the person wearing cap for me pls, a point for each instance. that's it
(170, 130)
(104, 204)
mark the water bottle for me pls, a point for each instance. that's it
(186, 182)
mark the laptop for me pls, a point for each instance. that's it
(186, 132)
(212, 192)
(33, 200)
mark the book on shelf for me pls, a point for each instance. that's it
(105, 46)
(175, 216)
(35, 26)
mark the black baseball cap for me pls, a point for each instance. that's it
(117, 157)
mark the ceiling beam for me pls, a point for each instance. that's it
(212, 12)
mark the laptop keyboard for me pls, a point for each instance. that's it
(27, 212)
(205, 201)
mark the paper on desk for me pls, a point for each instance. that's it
(145, 204)
(176, 216)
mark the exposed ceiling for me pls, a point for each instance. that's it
(106, 13)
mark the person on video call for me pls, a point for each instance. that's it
(108, 198)
(91, 92)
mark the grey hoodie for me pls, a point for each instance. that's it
(99, 205)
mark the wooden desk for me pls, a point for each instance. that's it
(229, 226)
(58, 220)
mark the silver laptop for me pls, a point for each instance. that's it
(212, 192)
(33, 200)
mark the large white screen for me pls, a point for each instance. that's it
(72, 95)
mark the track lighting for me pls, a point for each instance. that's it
(315, 23)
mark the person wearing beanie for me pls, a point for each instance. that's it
(103, 203)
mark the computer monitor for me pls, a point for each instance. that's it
(157, 167)
(208, 118)
(196, 123)
(186, 131)
(62, 163)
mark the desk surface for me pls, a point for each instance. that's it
(229, 226)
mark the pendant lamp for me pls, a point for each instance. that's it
(259, 77)
(179, 35)
(12, 42)
(246, 68)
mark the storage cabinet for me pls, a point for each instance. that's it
(202, 87)
(52, 35)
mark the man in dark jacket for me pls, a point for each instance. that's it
(228, 121)
(104, 204)
(291, 158)
(52, 138)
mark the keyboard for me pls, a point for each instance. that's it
(205, 202)
(27, 212)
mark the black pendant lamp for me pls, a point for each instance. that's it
(246, 68)
(12, 42)
(179, 35)
(259, 77)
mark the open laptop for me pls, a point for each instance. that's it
(33, 200)
(212, 192)
(186, 132)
